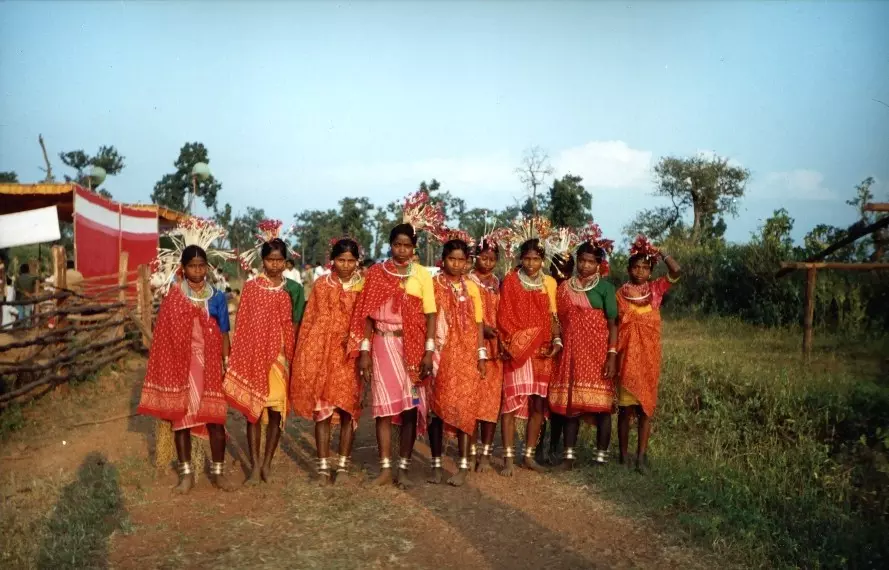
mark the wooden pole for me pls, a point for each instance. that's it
(878, 207)
(122, 283)
(143, 289)
(809, 315)
(833, 265)
(60, 278)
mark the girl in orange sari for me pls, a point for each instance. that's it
(639, 344)
(530, 333)
(259, 369)
(324, 383)
(490, 392)
(460, 357)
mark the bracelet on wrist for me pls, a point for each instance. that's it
(365, 345)
(430, 345)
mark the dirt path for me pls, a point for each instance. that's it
(530, 521)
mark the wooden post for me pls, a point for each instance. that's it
(809, 315)
(143, 289)
(122, 281)
(60, 278)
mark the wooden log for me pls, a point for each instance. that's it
(145, 308)
(59, 336)
(60, 268)
(13, 368)
(809, 315)
(855, 233)
(834, 265)
(876, 207)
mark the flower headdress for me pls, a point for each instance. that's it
(445, 234)
(555, 241)
(643, 246)
(193, 231)
(267, 230)
(497, 239)
(421, 213)
(592, 234)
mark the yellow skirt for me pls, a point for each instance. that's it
(626, 398)
(277, 399)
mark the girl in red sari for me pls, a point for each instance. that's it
(460, 357)
(392, 333)
(183, 383)
(259, 369)
(583, 385)
(639, 303)
(491, 388)
(324, 384)
(531, 339)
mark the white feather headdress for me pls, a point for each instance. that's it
(193, 231)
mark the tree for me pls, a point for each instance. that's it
(569, 202)
(711, 187)
(532, 173)
(172, 190)
(879, 239)
(9, 176)
(775, 231)
(106, 157)
(655, 223)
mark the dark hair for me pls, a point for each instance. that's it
(276, 244)
(562, 267)
(290, 261)
(403, 230)
(587, 247)
(191, 252)
(24, 268)
(367, 262)
(487, 245)
(228, 289)
(532, 245)
(238, 291)
(453, 245)
(640, 257)
(69, 264)
(345, 245)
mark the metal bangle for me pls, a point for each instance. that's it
(365, 345)
(430, 345)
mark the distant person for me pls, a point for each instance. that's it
(25, 288)
(291, 272)
(639, 344)
(10, 311)
(319, 271)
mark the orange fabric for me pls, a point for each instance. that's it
(639, 348)
(524, 320)
(265, 321)
(379, 287)
(457, 382)
(321, 368)
(491, 386)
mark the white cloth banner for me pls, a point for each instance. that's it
(29, 227)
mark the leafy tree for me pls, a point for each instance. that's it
(9, 176)
(655, 223)
(775, 231)
(824, 235)
(106, 157)
(569, 202)
(172, 190)
(709, 186)
(316, 228)
(384, 219)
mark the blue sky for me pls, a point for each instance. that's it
(303, 103)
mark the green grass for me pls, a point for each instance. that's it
(769, 459)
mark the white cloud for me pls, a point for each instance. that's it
(799, 184)
(606, 164)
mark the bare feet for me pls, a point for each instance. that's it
(484, 464)
(384, 478)
(565, 465)
(254, 478)
(507, 470)
(223, 482)
(436, 476)
(642, 466)
(532, 465)
(266, 473)
(325, 478)
(186, 483)
(340, 477)
(403, 480)
(459, 477)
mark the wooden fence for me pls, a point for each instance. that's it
(74, 333)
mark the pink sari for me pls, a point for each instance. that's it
(195, 385)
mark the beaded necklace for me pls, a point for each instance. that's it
(537, 282)
(576, 284)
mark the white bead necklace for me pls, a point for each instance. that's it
(576, 285)
(536, 284)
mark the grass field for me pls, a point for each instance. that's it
(769, 460)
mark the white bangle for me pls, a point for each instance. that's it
(365, 345)
(557, 341)
(430, 345)
(483, 353)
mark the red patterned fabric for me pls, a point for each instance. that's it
(265, 317)
(165, 391)
(322, 370)
(579, 385)
(492, 385)
(379, 287)
(457, 382)
(524, 320)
